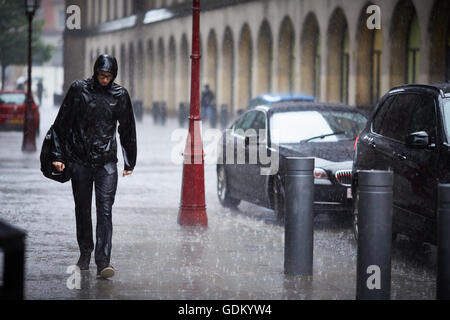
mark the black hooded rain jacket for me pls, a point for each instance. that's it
(85, 128)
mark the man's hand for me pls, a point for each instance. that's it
(127, 172)
(58, 165)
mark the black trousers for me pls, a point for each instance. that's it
(105, 180)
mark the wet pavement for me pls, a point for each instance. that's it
(240, 255)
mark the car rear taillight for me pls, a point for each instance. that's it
(356, 141)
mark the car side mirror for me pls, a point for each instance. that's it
(418, 139)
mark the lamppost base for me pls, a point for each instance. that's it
(29, 147)
(193, 216)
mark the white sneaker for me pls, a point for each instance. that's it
(107, 272)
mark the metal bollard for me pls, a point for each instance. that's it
(163, 109)
(182, 115)
(138, 110)
(443, 242)
(155, 111)
(298, 230)
(12, 242)
(373, 270)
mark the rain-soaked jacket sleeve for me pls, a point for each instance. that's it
(127, 132)
(63, 123)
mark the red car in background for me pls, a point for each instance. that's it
(12, 110)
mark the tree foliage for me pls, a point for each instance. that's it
(14, 36)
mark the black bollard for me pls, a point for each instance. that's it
(138, 110)
(443, 242)
(155, 111)
(12, 242)
(182, 115)
(373, 269)
(298, 230)
(163, 108)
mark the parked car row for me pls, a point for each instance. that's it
(291, 129)
(407, 133)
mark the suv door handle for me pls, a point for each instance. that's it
(401, 156)
(372, 144)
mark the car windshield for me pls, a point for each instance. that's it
(12, 98)
(447, 117)
(315, 126)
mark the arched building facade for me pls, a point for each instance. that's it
(251, 47)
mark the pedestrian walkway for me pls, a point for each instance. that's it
(240, 255)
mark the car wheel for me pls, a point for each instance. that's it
(278, 200)
(222, 190)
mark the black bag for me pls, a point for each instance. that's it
(47, 168)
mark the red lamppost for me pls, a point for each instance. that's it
(29, 126)
(193, 208)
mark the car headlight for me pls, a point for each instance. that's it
(319, 173)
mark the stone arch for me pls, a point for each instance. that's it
(228, 69)
(99, 12)
(131, 70)
(245, 67)
(184, 70)
(439, 32)
(338, 57)
(211, 62)
(310, 52)
(140, 76)
(160, 71)
(171, 75)
(265, 56)
(404, 20)
(150, 74)
(123, 65)
(286, 57)
(202, 63)
(368, 62)
(91, 58)
(149, 4)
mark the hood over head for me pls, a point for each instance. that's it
(105, 63)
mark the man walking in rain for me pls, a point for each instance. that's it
(85, 131)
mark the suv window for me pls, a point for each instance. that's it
(379, 117)
(424, 118)
(12, 98)
(395, 117)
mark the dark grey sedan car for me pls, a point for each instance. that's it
(253, 150)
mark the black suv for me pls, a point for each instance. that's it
(409, 134)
